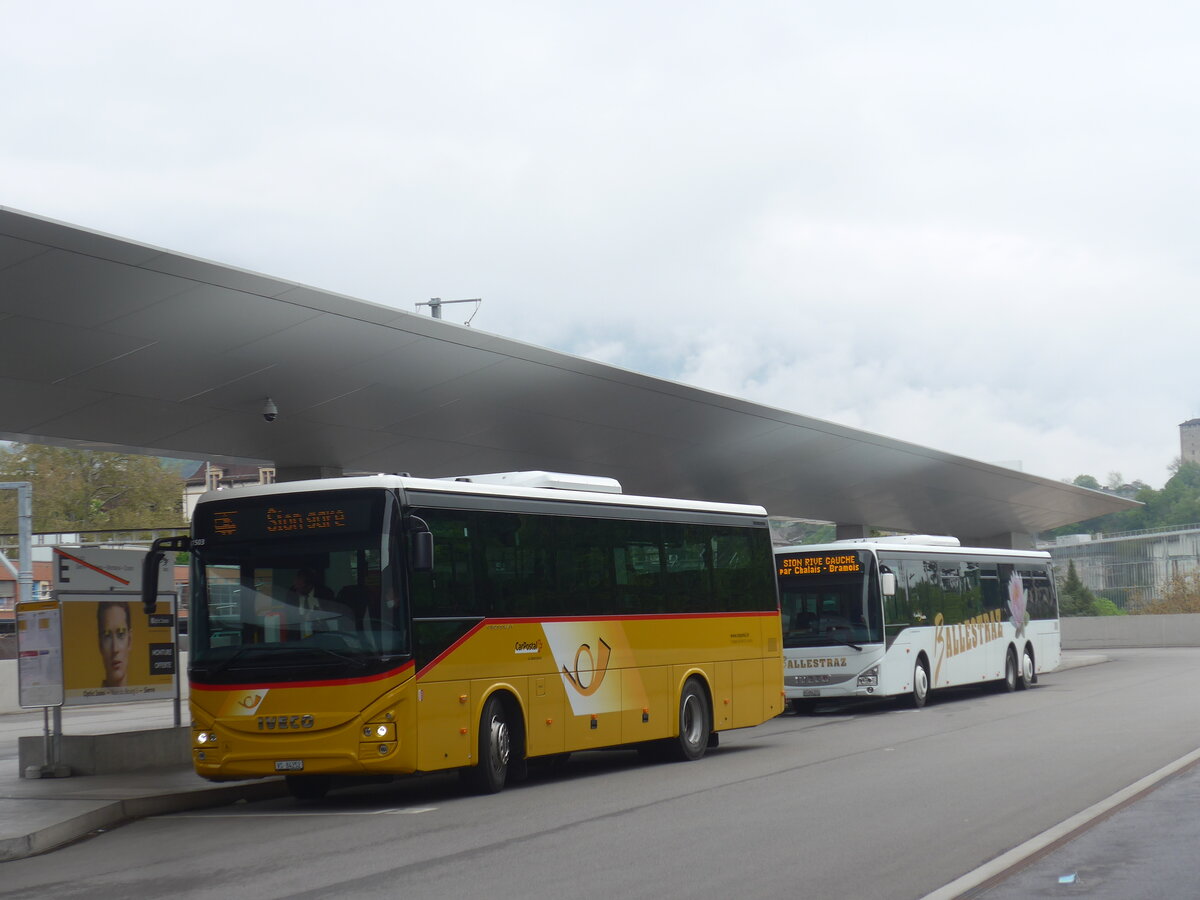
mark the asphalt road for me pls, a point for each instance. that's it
(866, 803)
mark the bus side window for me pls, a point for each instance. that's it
(992, 578)
(972, 590)
(897, 614)
(448, 590)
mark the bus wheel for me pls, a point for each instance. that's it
(804, 707)
(1010, 671)
(694, 723)
(489, 774)
(1027, 676)
(920, 688)
(308, 787)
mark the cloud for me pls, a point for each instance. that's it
(968, 227)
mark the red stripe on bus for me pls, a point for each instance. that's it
(437, 659)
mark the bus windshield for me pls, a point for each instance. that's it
(289, 590)
(829, 598)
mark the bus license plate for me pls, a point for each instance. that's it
(812, 693)
(289, 765)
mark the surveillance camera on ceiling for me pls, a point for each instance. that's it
(270, 410)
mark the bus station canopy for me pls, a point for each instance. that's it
(114, 345)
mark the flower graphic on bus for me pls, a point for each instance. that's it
(1017, 601)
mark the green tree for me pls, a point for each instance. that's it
(1178, 503)
(1074, 597)
(83, 490)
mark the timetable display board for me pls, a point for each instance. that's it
(39, 654)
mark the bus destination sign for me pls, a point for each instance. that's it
(831, 562)
(328, 515)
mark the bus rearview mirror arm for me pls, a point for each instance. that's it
(177, 544)
(421, 548)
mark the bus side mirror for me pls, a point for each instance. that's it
(421, 547)
(887, 583)
(151, 564)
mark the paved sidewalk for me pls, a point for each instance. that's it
(41, 814)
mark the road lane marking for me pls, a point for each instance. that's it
(399, 811)
(1007, 863)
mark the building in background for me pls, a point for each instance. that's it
(218, 477)
(10, 588)
(1189, 441)
(1129, 568)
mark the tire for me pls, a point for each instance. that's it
(1009, 684)
(490, 773)
(920, 691)
(695, 723)
(308, 787)
(1027, 674)
(803, 707)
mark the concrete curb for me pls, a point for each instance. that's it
(1077, 659)
(108, 814)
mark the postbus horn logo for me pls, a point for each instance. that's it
(598, 667)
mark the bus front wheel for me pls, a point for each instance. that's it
(495, 746)
(920, 688)
(695, 723)
(308, 787)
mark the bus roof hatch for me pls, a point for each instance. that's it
(557, 480)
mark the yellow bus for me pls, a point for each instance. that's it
(389, 625)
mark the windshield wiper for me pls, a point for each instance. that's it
(229, 660)
(340, 656)
(838, 640)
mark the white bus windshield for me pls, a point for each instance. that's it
(829, 598)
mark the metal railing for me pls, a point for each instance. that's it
(101, 537)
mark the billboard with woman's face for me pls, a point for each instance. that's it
(113, 652)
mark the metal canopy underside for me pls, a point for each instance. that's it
(110, 344)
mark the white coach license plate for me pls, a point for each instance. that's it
(289, 765)
(806, 694)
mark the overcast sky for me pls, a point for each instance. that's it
(967, 225)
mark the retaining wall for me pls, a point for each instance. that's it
(1111, 632)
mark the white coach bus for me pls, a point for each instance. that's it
(905, 615)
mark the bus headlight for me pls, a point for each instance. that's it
(379, 731)
(869, 678)
(204, 738)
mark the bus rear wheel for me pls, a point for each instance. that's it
(1027, 676)
(1009, 684)
(695, 723)
(920, 688)
(490, 773)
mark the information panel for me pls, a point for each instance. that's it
(39, 654)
